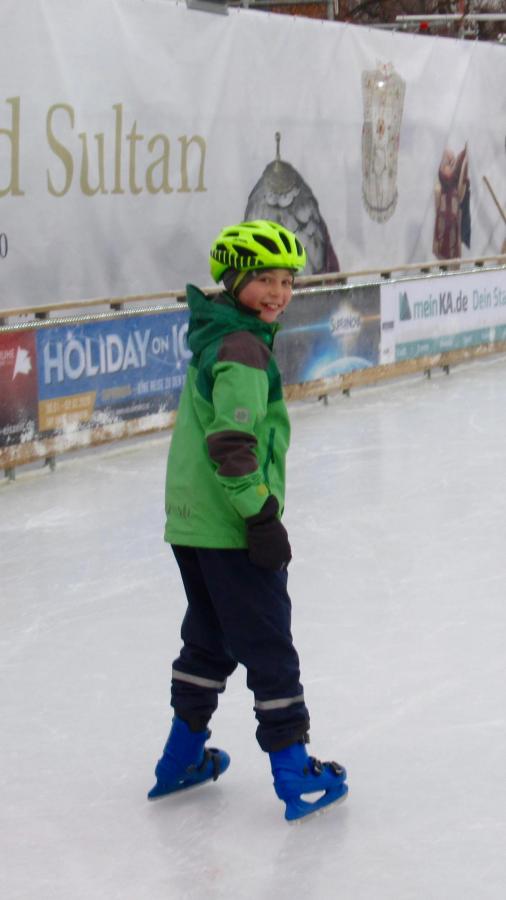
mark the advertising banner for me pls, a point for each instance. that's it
(98, 372)
(18, 387)
(433, 315)
(132, 131)
(329, 333)
(83, 375)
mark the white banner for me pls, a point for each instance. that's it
(432, 315)
(131, 131)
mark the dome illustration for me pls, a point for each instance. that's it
(282, 195)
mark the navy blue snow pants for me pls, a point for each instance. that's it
(238, 613)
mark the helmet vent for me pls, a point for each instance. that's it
(286, 242)
(242, 252)
(267, 243)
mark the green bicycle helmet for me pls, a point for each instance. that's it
(256, 245)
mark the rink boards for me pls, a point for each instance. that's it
(82, 380)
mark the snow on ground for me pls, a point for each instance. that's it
(397, 516)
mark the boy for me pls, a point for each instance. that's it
(224, 498)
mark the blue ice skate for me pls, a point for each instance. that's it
(297, 774)
(186, 762)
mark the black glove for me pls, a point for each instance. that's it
(268, 544)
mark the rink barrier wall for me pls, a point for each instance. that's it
(69, 382)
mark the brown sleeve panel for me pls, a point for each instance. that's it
(243, 347)
(233, 451)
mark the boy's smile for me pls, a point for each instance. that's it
(268, 294)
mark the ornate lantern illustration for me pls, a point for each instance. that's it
(282, 195)
(383, 97)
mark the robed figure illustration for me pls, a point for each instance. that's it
(452, 195)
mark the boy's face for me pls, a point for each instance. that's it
(268, 294)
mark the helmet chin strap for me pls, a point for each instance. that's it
(234, 280)
(241, 281)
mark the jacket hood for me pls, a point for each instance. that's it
(214, 317)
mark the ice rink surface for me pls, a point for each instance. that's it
(397, 516)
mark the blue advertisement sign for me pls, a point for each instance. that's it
(94, 372)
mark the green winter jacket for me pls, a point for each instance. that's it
(232, 431)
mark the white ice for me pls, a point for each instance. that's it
(397, 516)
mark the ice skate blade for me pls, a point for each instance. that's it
(177, 788)
(300, 811)
(152, 797)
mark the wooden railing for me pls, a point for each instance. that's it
(327, 279)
